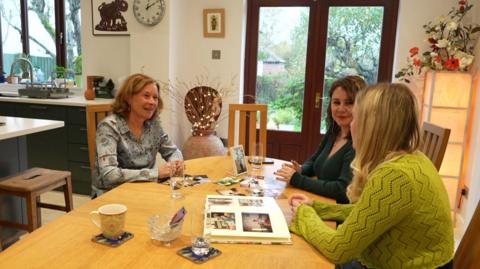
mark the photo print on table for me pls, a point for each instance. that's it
(239, 160)
(219, 201)
(250, 202)
(256, 222)
(222, 221)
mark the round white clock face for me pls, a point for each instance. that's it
(149, 12)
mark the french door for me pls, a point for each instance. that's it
(295, 49)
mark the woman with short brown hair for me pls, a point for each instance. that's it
(128, 140)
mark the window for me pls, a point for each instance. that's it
(46, 31)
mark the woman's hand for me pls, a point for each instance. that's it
(179, 165)
(285, 173)
(164, 170)
(295, 166)
(296, 199)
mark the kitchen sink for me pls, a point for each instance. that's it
(45, 92)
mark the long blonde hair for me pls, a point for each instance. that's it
(386, 117)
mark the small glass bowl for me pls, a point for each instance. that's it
(161, 230)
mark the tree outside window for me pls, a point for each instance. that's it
(42, 40)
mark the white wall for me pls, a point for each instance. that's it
(472, 179)
(174, 50)
(107, 56)
(191, 52)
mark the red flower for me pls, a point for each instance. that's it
(432, 40)
(452, 64)
(417, 62)
(438, 59)
(462, 2)
(462, 9)
(413, 51)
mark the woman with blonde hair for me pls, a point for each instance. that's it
(400, 212)
(128, 140)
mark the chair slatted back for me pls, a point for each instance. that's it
(95, 114)
(248, 117)
(434, 142)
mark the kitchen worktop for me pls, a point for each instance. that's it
(11, 127)
(77, 99)
(74, 100)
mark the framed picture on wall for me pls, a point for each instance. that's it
(109, 17)
(214, 22)
(239, 160)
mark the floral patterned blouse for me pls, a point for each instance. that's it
(121, 157)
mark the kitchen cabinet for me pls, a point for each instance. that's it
(63, 148)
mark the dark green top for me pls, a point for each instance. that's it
(334, 173)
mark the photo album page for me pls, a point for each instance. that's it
(244, 219)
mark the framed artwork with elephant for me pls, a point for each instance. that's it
(110, 17)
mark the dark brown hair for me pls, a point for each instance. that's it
(351, 85)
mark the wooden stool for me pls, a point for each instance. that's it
(32, 183)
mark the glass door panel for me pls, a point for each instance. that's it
(73, 44)
(281, 64)
(10, 17)
(353, 47)
(41, 30)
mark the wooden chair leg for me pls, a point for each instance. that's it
(39, 211)
(31, 212)
(1, 238)
(67, 192)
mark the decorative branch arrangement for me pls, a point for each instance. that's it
(202, 101)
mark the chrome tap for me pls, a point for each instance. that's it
(29, 65)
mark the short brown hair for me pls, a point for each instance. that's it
(133, 85)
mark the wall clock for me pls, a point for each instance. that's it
(149, 12)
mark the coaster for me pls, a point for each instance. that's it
(187, 253)
(112, 242)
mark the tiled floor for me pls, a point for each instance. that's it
(57, 198)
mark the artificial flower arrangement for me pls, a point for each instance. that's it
(451, 45)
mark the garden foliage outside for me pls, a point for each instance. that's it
(353, 45)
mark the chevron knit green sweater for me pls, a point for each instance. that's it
(402, 219)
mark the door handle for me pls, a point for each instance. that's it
(318, 100)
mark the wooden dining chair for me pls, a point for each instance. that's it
(434, 142)
(95, 114)
(248, 117)
(466, 256)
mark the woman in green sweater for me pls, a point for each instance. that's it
(400, 212)
(327, 172)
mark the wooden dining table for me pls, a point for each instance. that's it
(66, 241)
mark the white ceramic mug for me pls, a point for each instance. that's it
(112, 220)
